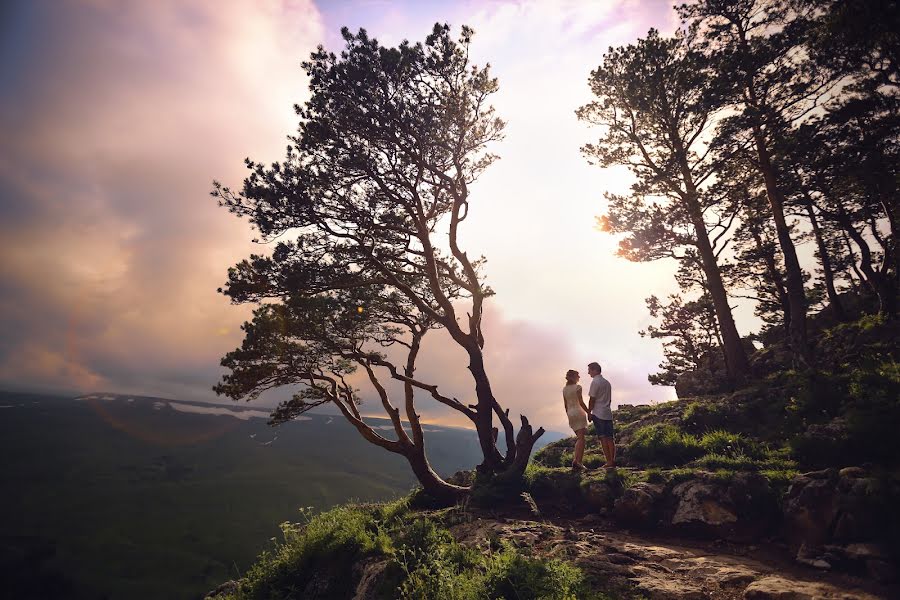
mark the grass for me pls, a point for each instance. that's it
(663, 445)
(423, 562)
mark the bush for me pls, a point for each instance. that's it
(663, 445)
(698, 417)
(326, 547)
(873, 417)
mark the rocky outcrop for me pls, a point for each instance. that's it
(623, 565)
(736, 508)
(775, 587)
(637, 506)
(838, 519)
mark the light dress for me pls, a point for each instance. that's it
(577, 416)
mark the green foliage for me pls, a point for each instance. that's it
(325, 547)
(863, 426)
(730, 444)
(448, 571)
(664, 445)
(704, 416)
(424, 561)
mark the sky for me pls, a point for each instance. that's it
(117, 116)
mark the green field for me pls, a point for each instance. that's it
(117, 499)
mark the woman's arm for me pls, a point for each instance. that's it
(581, 401)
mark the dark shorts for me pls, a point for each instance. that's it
(602, 427)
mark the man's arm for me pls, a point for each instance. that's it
(593, 393)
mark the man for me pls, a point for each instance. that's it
(601, 413)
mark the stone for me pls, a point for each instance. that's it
(635, 506)
(370, 573)
(661, 586)
(699, 503)
(810, 508)
(228, 588)
(865, 551)
(881, 570)
(823, 474)
(600, 495)
(775, 587)
(852, 472)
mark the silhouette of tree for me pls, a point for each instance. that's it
(375, 186)
(769, 84)
(653, 104)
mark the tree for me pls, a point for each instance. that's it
(652, 103)
(690, 338)
(770, 84)
(848, 163)
(376, 187)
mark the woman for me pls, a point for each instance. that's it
(577, 413)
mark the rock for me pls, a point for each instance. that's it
(370, 573)
(226, 589)
(699, 383)
(810, 508)
(699, 502)
(635, 506)
(812, 557)
(852, 472)
(881, 570)
(774, 587)
(816, 563)
(823, 474)
(865, 551)
(658, 585)
(600, 495)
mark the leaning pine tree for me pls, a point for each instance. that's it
(375, 186)
(651, 101)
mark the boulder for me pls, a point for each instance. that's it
(228, 588)
(636, 506)
(774, 587)
(600, 494)
(701, 502)
(833, 507)
(739, 508)
(810, 507)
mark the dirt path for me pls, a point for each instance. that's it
(672, 569)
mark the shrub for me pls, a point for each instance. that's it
(698, 417)
(327, 547)
(663, 444)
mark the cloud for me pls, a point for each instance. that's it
(117, 116)
(114, 129)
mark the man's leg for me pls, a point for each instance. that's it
(609, 451)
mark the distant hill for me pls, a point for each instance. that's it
(119, 496)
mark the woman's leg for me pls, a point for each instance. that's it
(579, 448)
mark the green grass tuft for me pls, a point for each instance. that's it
(663, 445)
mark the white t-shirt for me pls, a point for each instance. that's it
(601, 391)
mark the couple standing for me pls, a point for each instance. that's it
(599, 410)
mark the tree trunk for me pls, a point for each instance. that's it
(825, 259)
(879, 282)
(431, 482)
(484, 414)
(795, 292)
(735, 358)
